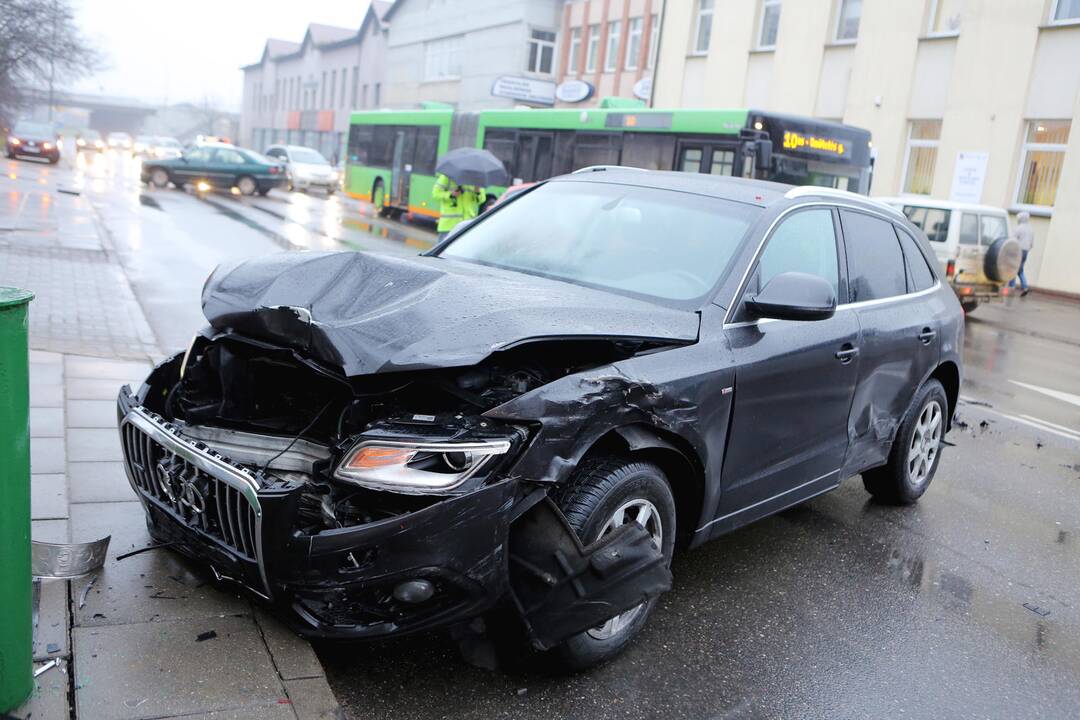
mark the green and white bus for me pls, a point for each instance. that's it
(392, 154)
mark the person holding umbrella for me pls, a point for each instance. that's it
(463, 175)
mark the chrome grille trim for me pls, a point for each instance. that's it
(232, 513)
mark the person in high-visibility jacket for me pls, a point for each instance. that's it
(457, 203)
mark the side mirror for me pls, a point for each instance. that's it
(794, 296)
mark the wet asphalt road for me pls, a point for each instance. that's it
(964, 606)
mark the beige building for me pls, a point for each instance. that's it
(608, 50)
(995, 80)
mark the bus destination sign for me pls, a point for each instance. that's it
(813, 143)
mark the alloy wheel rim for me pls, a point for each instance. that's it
(644, 513)
(925, 442)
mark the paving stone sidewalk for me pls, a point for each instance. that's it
(128, 635)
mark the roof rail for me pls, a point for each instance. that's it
(602, 168)
(810, 190)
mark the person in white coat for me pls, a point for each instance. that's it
(1026, 237)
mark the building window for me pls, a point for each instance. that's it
(378, 94)
(355, 84)
(703, 26)
(344, 81)
(1043, 154)
(592, 47)
(633, 43)
(770, 24)
(922, 147)
(611, 55)
(333, 87)
(1065, 11)
(847, 20)
(442, 60)
(945, 17)
(575, 50)
(363, 98)
(541, 51)
(654, 40)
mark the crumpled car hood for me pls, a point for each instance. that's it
(364, 313)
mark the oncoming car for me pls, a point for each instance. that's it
(532, 416)
(215, 166)
(306, 168)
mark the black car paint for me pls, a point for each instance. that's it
(748, 416)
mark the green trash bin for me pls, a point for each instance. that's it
(16, 654)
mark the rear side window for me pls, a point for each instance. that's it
(920, 276)
(993, 227)
(875, 262)
(932, 221)
(969, 229)
(804, 242)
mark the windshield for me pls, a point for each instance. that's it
(308, 156)
(659, 244)
(33, 129)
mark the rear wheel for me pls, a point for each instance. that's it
(915, 451)
(247, 185)
(604, 494)
(159, 178)
(969, 305)
(264, 191)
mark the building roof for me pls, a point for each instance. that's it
(326, 34)
(322, 36)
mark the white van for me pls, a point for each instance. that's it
(973, 243)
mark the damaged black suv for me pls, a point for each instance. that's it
(529, 418)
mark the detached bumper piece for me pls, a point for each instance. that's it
(562, 588)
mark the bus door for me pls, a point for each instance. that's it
(534, 155)
(402, 166)
(706, 156)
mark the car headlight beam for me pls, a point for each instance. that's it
(416, 467)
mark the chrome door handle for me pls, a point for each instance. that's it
(847, 354)
(926, 336)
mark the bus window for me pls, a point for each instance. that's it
(503, 145)
(596, 149)
(360, 143)
(723, 162)
(648, 151)
(563, 162)
(382, 146)
(534, 156)
(427, 150)
(690, 159)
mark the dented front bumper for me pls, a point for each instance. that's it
(347, 582)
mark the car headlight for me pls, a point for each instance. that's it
(416, 467)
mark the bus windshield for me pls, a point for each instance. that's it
(616, 237)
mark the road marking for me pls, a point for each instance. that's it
(1049, 424)
(1056, 394)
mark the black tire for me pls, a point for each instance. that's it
(247, 185)
(599, 488)
(896, 482)
(264, 191)
(330, 191)
(54, 160)
(968, 306)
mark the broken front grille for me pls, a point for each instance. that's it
(198, 487)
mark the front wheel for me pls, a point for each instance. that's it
(916, 450)
(602, 495)
(159, 178)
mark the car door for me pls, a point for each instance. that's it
(899, 333)
(194, 165)
(793, 381)
(228, 165)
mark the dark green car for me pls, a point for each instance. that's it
(217, 167)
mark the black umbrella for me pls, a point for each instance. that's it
(472, 166)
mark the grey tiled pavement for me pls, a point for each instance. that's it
(131, 650)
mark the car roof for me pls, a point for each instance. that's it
(754, 192)
(942, 204)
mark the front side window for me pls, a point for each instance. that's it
(770, 24)
(633, 43)
(703, 27)
(945, 17)
(592, 47)
(1043, 155)
(615, 237)
(442, 59)
(922, 147)
(874, 259)
(932, 221)
(541, 51)
(805, 243)
(1065, 11)
(229, 157)
(847, 19)
(575, 50)
(611, 54)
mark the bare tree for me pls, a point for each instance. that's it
(39, 42)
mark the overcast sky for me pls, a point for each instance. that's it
(187, 49)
